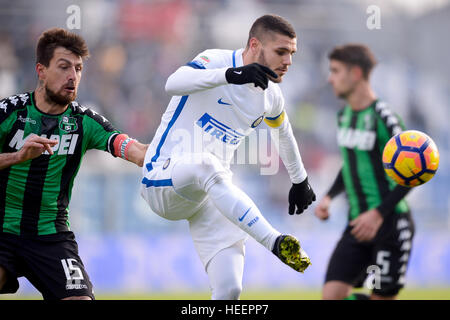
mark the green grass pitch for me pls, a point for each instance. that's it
(406, 294)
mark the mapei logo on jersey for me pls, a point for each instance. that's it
(66, 143)
(219, 130)
(355, 138)
(68, 124)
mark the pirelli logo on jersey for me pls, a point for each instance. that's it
(219, 130)
(356, 139)
(66, 142)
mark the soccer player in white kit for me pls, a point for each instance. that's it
(218, 99)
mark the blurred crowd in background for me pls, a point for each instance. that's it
(135, 45)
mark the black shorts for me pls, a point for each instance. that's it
(384, 259)
(50, 262)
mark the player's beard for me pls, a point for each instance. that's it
(59, 99)
(262, 60)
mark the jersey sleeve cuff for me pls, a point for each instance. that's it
(275, 122)
(110, 144)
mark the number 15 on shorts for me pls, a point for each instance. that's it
(72, 271)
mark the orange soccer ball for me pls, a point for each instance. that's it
(410, 158)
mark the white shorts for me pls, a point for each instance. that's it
(210, 230)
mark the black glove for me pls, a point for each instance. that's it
(251, 73)
(300, 195)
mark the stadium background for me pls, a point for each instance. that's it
(135, 45)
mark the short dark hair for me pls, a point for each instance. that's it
(270, 23)
(355, 55)
(58, 37)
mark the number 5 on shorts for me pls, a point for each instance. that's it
(383, 262)
(72, 272)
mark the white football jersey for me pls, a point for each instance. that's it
(217, 118)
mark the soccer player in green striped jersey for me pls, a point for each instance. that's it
(43, 137)
(376, 243)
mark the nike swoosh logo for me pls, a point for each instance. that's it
(225, 103)
(242, 218)
(238, 72)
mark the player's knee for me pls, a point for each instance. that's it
(209, 164)
(330, 295)
(234, 292)
(336, 290)
(229, 291)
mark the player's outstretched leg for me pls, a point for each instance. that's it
(209, 177)
(288, 249)
(204, 175)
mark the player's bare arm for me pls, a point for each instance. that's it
(136, 153)
(34, 146)
(129, 149)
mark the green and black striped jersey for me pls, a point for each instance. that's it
(361, 137)
(35, 194)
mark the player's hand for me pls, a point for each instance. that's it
(366, 225)
(251, 73)
(301, 196)
(322, 208)
(34, 146)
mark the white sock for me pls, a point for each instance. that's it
(234, 204)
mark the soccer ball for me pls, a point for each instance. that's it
(410, 158)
